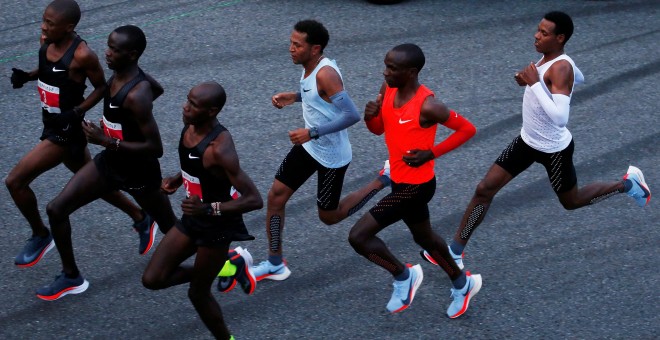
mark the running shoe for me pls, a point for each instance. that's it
(35, 248)
(146, 229)
(227, 275)
(62, 286)
(461, 297)
(241, 260)
(384, 174)
(404, 291)
(244, 274)
(266, 270)
(457, 258)
(640, 190)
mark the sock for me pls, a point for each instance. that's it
(73, 275)
(228, 269)
(460, 281)
(457, 248)
(275, 260)
(403, 276)
(385, 180)
(627, 185)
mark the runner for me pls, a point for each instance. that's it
(65, 63)
(544, 137)
(408, 113)
(129, 162)
(212, 219)
(321, 147)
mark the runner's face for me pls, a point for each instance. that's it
(54, 26)
(195, 111)
(545, 39)
(299, 48)
(396, 72)
(117, 55)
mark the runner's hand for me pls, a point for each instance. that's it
(19, 78)
(281, 100)
(299, 136)
(372, 109)
(169, 185)
(529, 75)
(416, 158)
(193, 206)
(94, 133)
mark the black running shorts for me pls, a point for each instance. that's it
(407, 202)
(298, 166)
(214, 231)
(132, 177)
(518, 156)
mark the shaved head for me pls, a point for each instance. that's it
(212, 94)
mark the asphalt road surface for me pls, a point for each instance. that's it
(548, 272)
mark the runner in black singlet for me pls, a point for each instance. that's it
(129, 162)
(65, 63)
(212, 219)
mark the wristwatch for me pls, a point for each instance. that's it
(314, 133)
(209, 209)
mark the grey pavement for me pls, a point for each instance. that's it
(548, 273)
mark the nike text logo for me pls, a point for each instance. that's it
(306, 90)
(192, 157)
(113, 107)
(404, 121)
(56, 70)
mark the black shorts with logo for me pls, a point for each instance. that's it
(518, 156)
(214, 231)
(299, 165)
(407, 202)
(134, 177)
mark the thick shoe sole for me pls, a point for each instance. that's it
(152, 238)
(418, 282)
(642, 183)
(276, 277)
(50, 246)
(72, 290)
(248, 270)
(471, 294)
(428, 258)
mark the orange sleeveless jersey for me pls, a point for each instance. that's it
(403, 133)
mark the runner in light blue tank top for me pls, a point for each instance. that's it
(332, 150)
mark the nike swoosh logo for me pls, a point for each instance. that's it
(56, 70)
(192, 157)
(467, 292)
(306, 90)
(410, 288)
(113, 107)
(404, 121)
(66, 128)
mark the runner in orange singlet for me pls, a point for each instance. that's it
(408, 114)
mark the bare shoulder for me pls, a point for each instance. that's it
(140, 96)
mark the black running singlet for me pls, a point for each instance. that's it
(197, 180)
(57, 92)
(118, 122)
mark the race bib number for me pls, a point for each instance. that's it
(49, 96)
(112, 130)
(192, 185)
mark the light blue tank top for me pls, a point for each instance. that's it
(334, 149)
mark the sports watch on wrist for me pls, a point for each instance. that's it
(314, 133)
